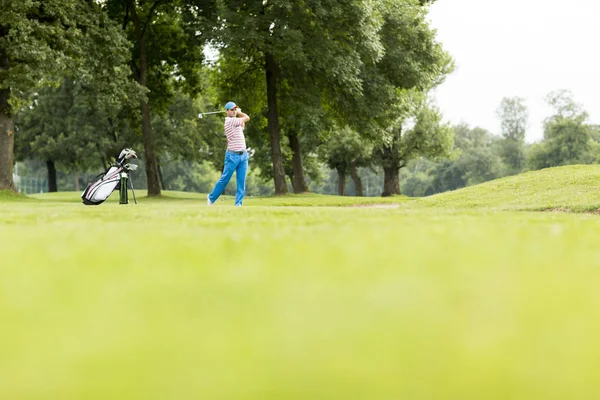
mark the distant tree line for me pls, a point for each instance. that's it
(480, 156)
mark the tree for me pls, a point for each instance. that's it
(305, 123)
(182, 136)
(345, 152)
(513, 116)
(429, 137)
(39, 43)
(394, 88)
(294, 44)
(478, 160)
(168, 37)
(567, 136)
(302, 117)
(473, 160)
(74, 127)
(42, 129)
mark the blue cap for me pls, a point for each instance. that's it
(230, 106)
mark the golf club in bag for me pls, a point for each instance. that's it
(116, 176)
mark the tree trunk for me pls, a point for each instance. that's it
(77, 181)
(298, 182)
(391, 180)
(357, 181)
(150, 157)
(52, 184)
(391, 167)
(7, 130)
(273, 126)
(160, 174)
(7, 142)
(341, 181)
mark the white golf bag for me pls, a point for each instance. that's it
(116, 176)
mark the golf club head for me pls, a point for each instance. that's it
(126, 154)
(130, 167)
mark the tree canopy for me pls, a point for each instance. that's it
(319, 78)
(40, 43)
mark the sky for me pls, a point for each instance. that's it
(524, 48)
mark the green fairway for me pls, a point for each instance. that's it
(407, 299)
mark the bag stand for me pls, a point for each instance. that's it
(123, 194)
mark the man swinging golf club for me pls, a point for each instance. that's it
(236, 156)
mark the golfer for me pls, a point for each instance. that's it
(236, 156)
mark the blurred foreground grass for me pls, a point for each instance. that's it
(173, 300)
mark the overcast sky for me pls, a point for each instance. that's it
(525, 48)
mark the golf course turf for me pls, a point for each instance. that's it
(472, 294)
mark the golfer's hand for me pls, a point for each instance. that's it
(240, 114)
(238, 111)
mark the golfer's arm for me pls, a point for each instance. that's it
(244, 117)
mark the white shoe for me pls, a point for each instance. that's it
(208, 202)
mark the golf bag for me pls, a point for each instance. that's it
(116, 177)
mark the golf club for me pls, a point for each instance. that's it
(207, 113)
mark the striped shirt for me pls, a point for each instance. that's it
(234, 130)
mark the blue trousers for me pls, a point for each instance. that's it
(237, 163)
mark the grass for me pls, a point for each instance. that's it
(304, 200)
(573, 188)
(171, 299)
(9, 195)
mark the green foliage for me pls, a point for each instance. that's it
(427, 137)
(337, 61)
(345, 149)
(188, 176)
(512, 152)
(430, 137)
(513, 116)
(343, 61)
(242, 81)
(567, 137)
(411, 59)
(474, 159)
(181, 135)
(40, 44)
(38, 40)
(74, 127)
(416, 184)
(321, 40)
(46, 41)
(478, 160)
(174, 34)
(316, 51)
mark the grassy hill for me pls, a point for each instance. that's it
(574, 188)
